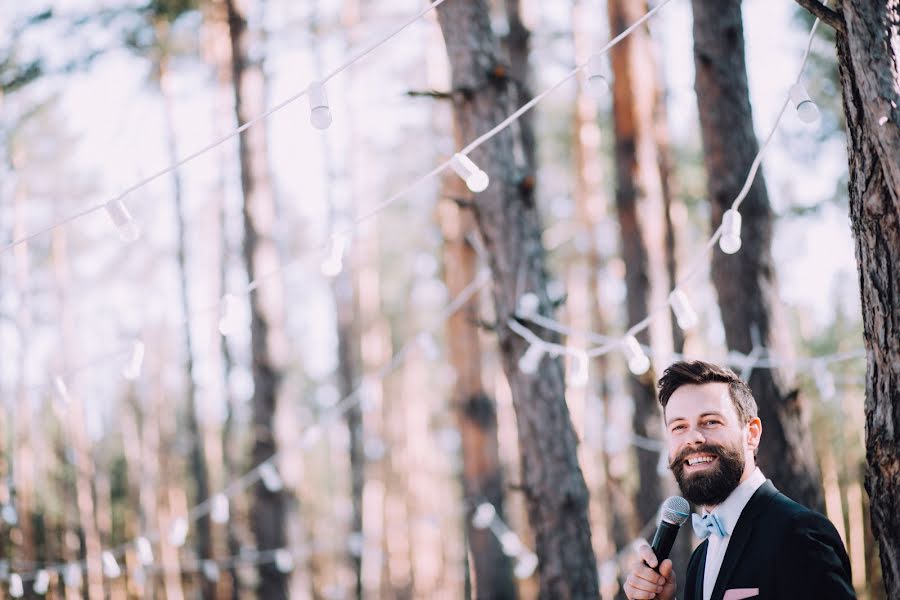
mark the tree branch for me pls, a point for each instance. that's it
(825, 14)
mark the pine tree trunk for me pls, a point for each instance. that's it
(641, 212)
(869, 59)
(745, 282)
(266, 301)
(556, 495)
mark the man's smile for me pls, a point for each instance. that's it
(699, 462)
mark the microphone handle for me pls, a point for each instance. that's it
(664, 540)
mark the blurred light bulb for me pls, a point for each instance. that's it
(581, 366)
(111, 568)
(824, 380)
(121, 218)
(806, 108)
(9, 514)
(510, 543)
(476, 179)
(730, 242)
(144, 550)
(526, 565)
(270, 477)
(527, 305)
(319, 113)
(638, 363)
(556, 291)
(530, 361)
(429, 346)
(227, 314)
(597, 83)
(284, 560)
(72, 575)
(685, 315)
(178, 532)
(484, 515)
(133, 369)
(41, 582)
(16, 589)
(210, 570)
(218, 512)
(334, 263)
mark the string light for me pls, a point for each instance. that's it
(806, 108)
(530, 361)
(9, 514)
(219, 509)
(510, 543)
(121, 218)
(72, 575)
(525, 565)
(16, 589)
(685, 315)
(41, 582)
(334, 263)
(730, 242)
(476, 179)
(144, 550)
(319, 112)
(527, 305)
(638, 362)
(178, 532)
(133, 369)
(580, 369)
(227, 316)
(484, 515)
(111, 568)
(270, 477)
(597, 83)
(284, 560)
(210, 570)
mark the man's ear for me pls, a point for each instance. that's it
(754, 433)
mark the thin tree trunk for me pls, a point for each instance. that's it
(641, 212)
(869, 60)
(556, 495)
(745, 282)
(266, 302)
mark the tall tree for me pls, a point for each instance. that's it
(507, 219)
(869, 61)
(268, 345)
(641, 212)
(745, 282)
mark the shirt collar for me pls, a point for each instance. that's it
(730, 510)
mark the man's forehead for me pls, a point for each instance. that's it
(695, 399)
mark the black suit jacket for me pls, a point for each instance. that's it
(780, 547)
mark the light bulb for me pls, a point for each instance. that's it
(41, 582)
(526, 565)
(476, 179)
(638, 363)
(580, 369)
(428, 345)
(530, 361)
(597, 83)
(824, 380)
(527, 305)
(121, 218)
(334, 264)
(484, 515)
(806, 108)
(111, 568)
(133, 369)
(144, 550)
(730, 242)
(319, 113)
(218, 512)
(16, 589)
(210, 570)
(178, 532)
(9, 514)
(556, 291)
(227, 310)
(284, 560)
(270, 477)
(685, 315)
(72, 575)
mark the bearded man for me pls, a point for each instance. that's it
(758, 543)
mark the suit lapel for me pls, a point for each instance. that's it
(740, 535)
(701, 567)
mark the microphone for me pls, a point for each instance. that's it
(675, 511)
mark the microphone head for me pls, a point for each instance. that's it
(675, 510)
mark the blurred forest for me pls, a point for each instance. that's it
(320, 359)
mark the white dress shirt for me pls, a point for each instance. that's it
(729, 512)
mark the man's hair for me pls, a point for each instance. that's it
(697, 372)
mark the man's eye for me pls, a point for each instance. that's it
(711, 422)
(677, 427)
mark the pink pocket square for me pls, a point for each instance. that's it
(740, 593)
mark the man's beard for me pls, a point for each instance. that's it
(711, 486)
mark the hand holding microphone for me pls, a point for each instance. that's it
(653, 577)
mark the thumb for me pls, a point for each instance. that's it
(665, 568)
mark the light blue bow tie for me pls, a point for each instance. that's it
(711, 524)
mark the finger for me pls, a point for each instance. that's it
(647, 574)
(645, 586)
(634, 593)
(648, 556)
(665, 568)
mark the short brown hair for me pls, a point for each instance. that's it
(697, 372)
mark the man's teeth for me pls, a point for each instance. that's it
(701, 459)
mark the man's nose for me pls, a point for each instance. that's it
(695, 436)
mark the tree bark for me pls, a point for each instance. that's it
(266, 302)
(641, 212)
(869, 60)
(555, 492)
(745, 282)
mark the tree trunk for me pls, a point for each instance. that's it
(266, 301)
(556, 495)
(641, 212)
(476, 412)
(869, 60)
(745, 282)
